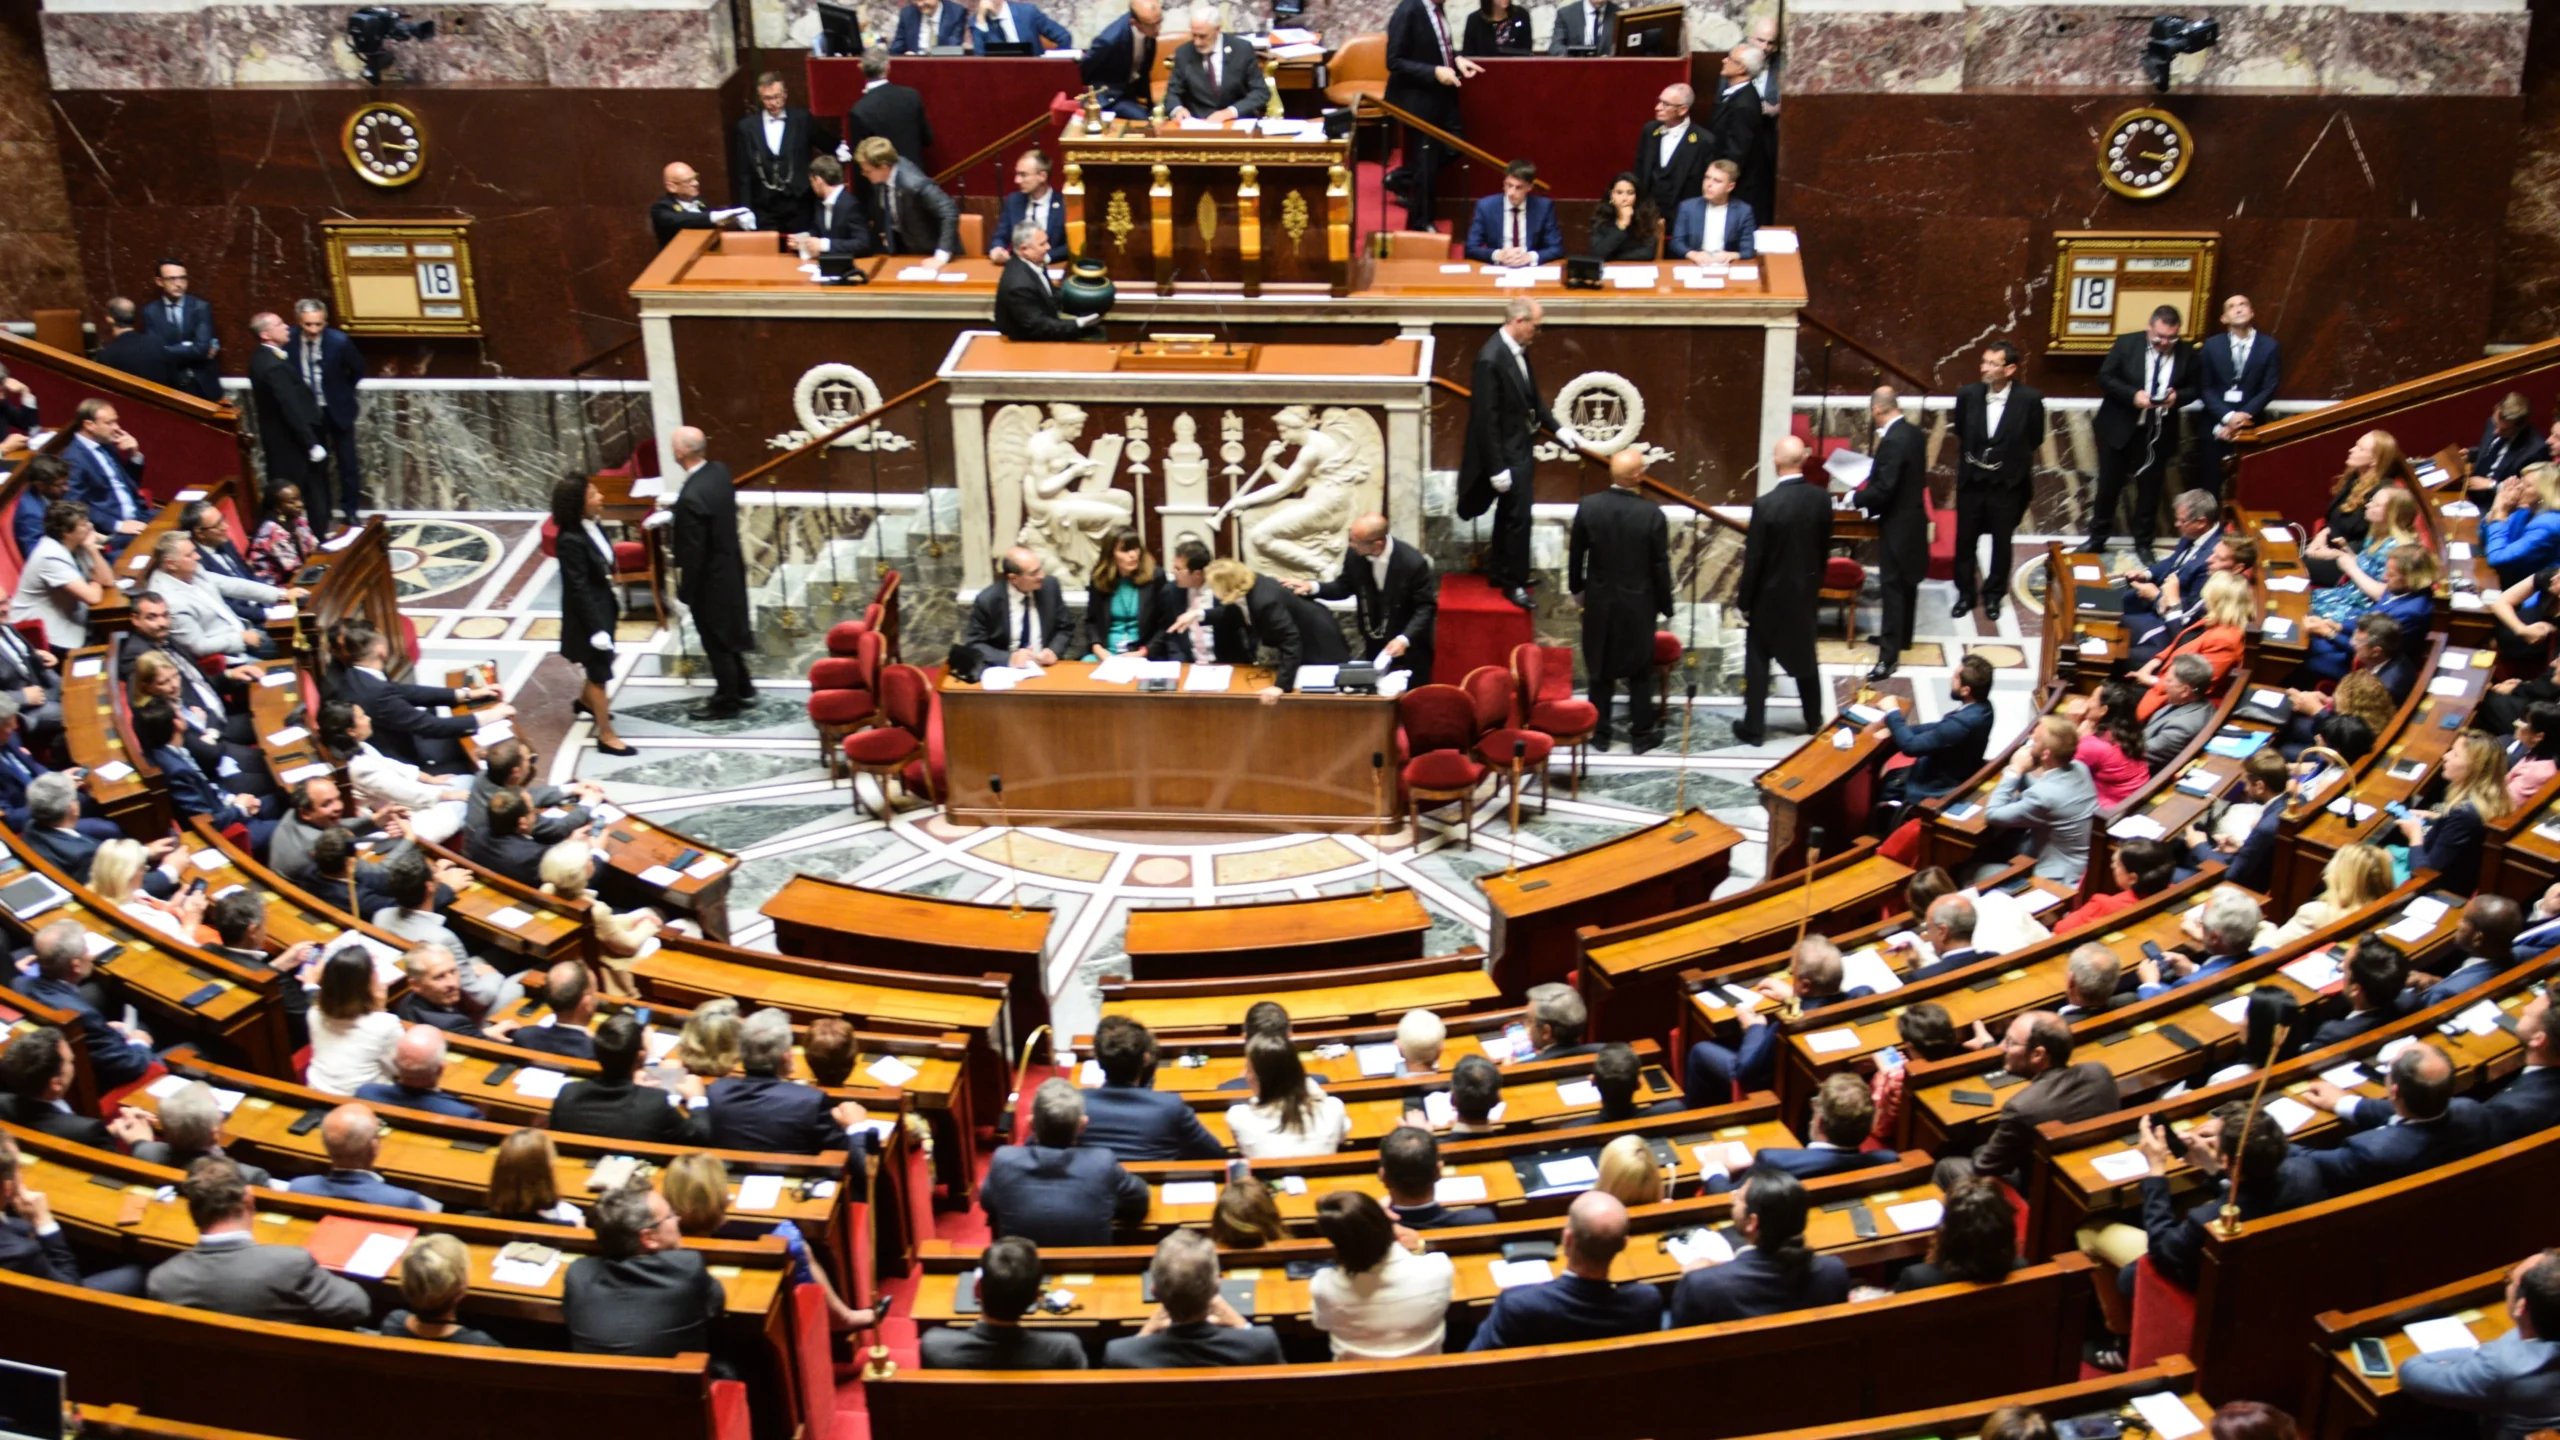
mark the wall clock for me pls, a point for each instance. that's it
(385, 144)
(2143, 154)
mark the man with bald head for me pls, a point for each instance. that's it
(418, 1067)
(1672, 155)
(1120, 64)
(681, 208)
(1618, 567)
(353, 1137)
(712, 579)
(1783, 555)
(1022, 621)
(1580, 1303)
(2419, 1125)
(1398, 595)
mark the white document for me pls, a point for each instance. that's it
(1438, 1110)
(2442, 1333)
(2454, 660)
(2233, 1012)
(1579, 1170)
(1319, 678)
(1459, 1189)
(891, 1071)
(1867, 968)
(658, 1042)
(2167, 1415)
(300, 773)
(375, 1257)
(2459, 510)
(758, 1192)
(648, 487)
(924, 273)
(517, 1272)
(2391, 1052)
(1089, 1074)
(2345, 1077)
(2136, 827)
(2275, 534)
(659, 875)
(1743, 272)
(1190, 1192)
(1916, 1215)
(510, 918)
(1515, 280)
(1698, 1247)
(2468, 600)
(1118, 670)
(541, 1084)
(707, 866)
(1497, 1048)
(1774, 242)
(2122, 1166)
(165, 1086)
(2426, 906)
(187, 497)
(208, 860)
(1510, 1273)
(2290, 1113)
(1376, 1061)
(2036, 902)
(2088, 572)
(1646, 276)
(1457, 269)
(2315, 971)
(2278, 626)
(139, 561)
(83, 669)
(2094, 646)
(1703, 282)
(2479, 1019)
(2411, 928)
(493, 731)
(2457, 549)
(2288, 584)
(1578, 1093)
(115, 770)
(274, 678)
(2445, 685)
(1209, 679)
(1832, 1042)
(287, 735)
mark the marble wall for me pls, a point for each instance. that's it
(2528, 292)
(39, 253)
(441, 446)
(1713, 24)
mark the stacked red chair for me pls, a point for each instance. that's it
(1439, 731)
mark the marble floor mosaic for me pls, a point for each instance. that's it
(756, 784)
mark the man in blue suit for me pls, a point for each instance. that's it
(1581, 1303)
(1948, 927)
(1944, 752)
(2237, 372)
(2230, 924)
(2422, 1125)
(1031, 203)
(56, 831)
(352, 1135)
(118, 1053)
(48, 480)
(191, 791)
(1714, 228)
(765, 1109)
(1844, 1113)
(2485, 940)
(2531, 1101)
(2272, 1181)
(1121, 62)
(1771, 1273)
(1056, 1191)
(106, 473)
(331, 368)
(1015, 22)
(418, 1068)
(183, 324)
(2199, 517)
(2377, 974)
(948, 22)
(1518, 226)
(1714, 1068)
(1128, 1116)
(2512, 1382)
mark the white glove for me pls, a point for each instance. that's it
(658, 518)
(319, 453)
(601, 640)
(844, 152)
(1502, 482)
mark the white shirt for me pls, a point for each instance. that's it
(1204, 647)
(1035, 210)
(1671, 141)
(41, 594)
(2160, 367)
(1259, 1136)
(1516, 229)
(2240, 343)
(1994, 405)
(1022, 631)
(345, 1056)
(1395, 1308)
(1713, 235)
(115, 466)
(773, 133)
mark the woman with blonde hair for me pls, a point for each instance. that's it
(435, 1273)
(2354, 878)
(2374, 461)
(2448, 840)
(2522, 532)
(1629, 1172)
(1302, 631)
(2362, 694)
(2219, 634)
(696, 1187)
(523, 1182)
(1247, 1217)
(621, 938)
(115, 874)
(2405, 595)
(708, 1046)
(2391, 518)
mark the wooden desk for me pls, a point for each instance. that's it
(1073, 752)
(1534, 1092)
(2350, 1400)
(1447, 984)
(633, 845)
(1536, 913)
(1822, 784)
(116, 787)
(846, 924)
(351, 576)
(280, 704)
(1218, 201)
(493, 912)
(1201, 942)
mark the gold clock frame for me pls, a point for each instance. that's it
(2123, 255)
(2186, 154)
(446, 240)
(347, 144)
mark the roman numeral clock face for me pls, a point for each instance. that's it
(2144, 153)
(385, 145)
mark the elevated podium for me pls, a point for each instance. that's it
(1213, 204)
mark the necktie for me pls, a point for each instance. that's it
(891, 191)
(1515, 229)
(1026, 622)
(1217, 68)
(173, 314)
(2156, 358)
(311, 371)
(1439, 31)
(2239, 358)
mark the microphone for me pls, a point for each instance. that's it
(1378, 807)
(1511, 866)
(995, 783)
(1813, 838)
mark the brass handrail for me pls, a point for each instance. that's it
(1809, 318)
(992, 149)
(1476, 153)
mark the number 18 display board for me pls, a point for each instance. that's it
(2106, 282)
(402, 277)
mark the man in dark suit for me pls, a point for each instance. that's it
(2146, 376)
(1026, 303)
(2272, 1181)
(1736, 128)
(1896, 494)
(1008, 1283)
(1948, 929)
(996, 23)
(1815, 978)
(1022, 621)
(288, 416)
(1193, 1326)
(507, 846)
(36, 1071)
(1713, 228)
(1557, 1020)
(681, 207)
(2237, 371)
(1619, 570)
(31, 1240)
(613, 1105)
(2091, 975)
(1618, 1074)
(2420, 1125)
(1257, 613)
(132, 349)
(2483, 945)
(926, 26)
(1672, 154)
(1215, 77)
(331, 368)
(1582, 27)
(1517, 227)
(1128, 1116)
(839, 227)
(417, 1068)
(2530, 1100)
(2508, 443)
(56, 831)
(2376, 975)
(405, 725)
(1120, 64)
(352, 1135)
(1946, 751)
(225, 700)
(1770, 1273)
(712, 572)
(183, 324)
(1783, 556)
(2037, 1046)
(1409, 1168)
(1581, 1303)
(763, 1108)
(1498, 471)
(573, 1006)
(642, 1292)
(230, 1273)
(1999, 428)
(1056, 1190)
(191, 1130)
(2158, 601)
(1844, 1112)
(2512, 1383)
(910, 214)
(889, 111)
(106, 473)
(769, 157)
(119, 1054)
(1424, 71)
(1398, 597)
(1031, 203)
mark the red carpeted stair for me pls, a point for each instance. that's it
(1476, 627)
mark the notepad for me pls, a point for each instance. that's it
(2290, 1113)
(2275, 534)
(1376, 1061)
(1916, 1215)
(1510, 1273)
(2094, 647)
(1457, 269)
(2345, 1077)
(2087, 572)
(524, 1274)
(2136, 827)
(1577, 1093)
(1729, 1156)
(891, 1071)
(759, 1192)
(2121, 1166)
(2481, 1018)
(2439, 1334)
(540, 1084)
(2445, 685)
(1867, 968)
(113, 770)
(300, 773)
(659, 875)
(2167, 1415)
(2278, 626)
(1458, 1189)
(1832, 1042)
(1698, 1247)
(287, 735)
(1572, 1170)
(1190, 1192)
(493, 731)
(1209, 679)
(83, 669)
(2232, 1012)
(2315, 971)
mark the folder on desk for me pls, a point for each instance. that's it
(359, 1247)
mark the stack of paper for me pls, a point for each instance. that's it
(1698, 1247)
(1209, 679)
(758, 1192)
(1774, 242)
(1510, 1273)
(1459, 1189)
(1319, 679)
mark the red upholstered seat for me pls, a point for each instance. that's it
(1843, 573)
(1442, 770)
(550, 536)
(1560, 718)
(879, 745)
(109, 1104)
(839, 672)
(840, 707)
(1667, 648)
(906, 708)
(927, 774)
(813, 1371)
(1440, 724)
(629, 556)
(1495, 748)
(1545, 677)
(1495, 696)
(843, 637)
(2164, 1317)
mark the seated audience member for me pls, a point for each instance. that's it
(1193, 1326)
(36, 1073)
(2111, 740)
(573, 1005)
(697, 1185)
(56, 831)
(1927, 1034)
(2272, 1181)
(65, 574)
(2533, 756)
(1844, 1114)
(1716, 1070)
(1421, 1037)
(31, 1240)
(1247, 1216)
(1946, 930)
(2183, 711)
(2265, 780)
(829, 1051)
(119, 1054)
(2140, 868)
(1557, 1017)
(1625, 226)
(707, 1047)
(2047, 796)
(353, 1137)
(2421, 1125)
(2531, 1100)
(2484, 940)
(1409, 1169)
(437, 804)
(417, 1069)
(2448, 840)
(1127, 1115)
(48, 481)
(1517, 227)
(621, 936)
(2090, 980)
(1475, 1097)
(508, 849)
(1629, 1173)
(1712, 227)
(2377, 975)
(1618, 1074)
(1008, 1284)
(352, 1036)
(1054, 1191)
(2407, 600)
(2216, 631)
(2357, 876)
(116, 875)
(18, 765)
(191, 1130)
(1262, 1017)
(239, 923)
(1976, 1242)
(1945, 752)
(285, 541)
(2513, 1382)
(435, 1273)
(1378, 1300)
(763, 1108)
(558, 809)
(617, 1107)
(2016, 1422)
(411, 893)
(642, 1292)
(1286, 1117)
(1580, 1303)
(1771, 1271)
(435, 996)
(2037, 1046)
(230, 1273)
(202, 623)
(405, 723)
(2229, 931)
(524, 1183)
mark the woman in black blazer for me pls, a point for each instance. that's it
(1625, 227)
(1128, 601)
(589, 609)
(1499, 27)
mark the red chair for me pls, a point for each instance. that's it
(844, 693)
(1842, 579)
(845, 637)
(1667, 653)
(813, 1371)
(1545, 677)
(630, 557)
(1440, 727)
(887, 749)
(928, 773)
(1496, 701)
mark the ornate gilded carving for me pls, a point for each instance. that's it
(1073, 193)
(1206, 214)
(1293, 217)
(1118, 220)
(1271, 87)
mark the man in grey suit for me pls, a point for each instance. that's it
(1582, 27)
(1215, 77)
(910, 214)
(1194, 1326)
(1008, 1281)
(2048, 794)
(642, 1293)
(1053, 1190)
(230, 1273)
(191, 1130)
(2513, 1382)
(2183, 710)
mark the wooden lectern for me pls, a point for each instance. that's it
(1220, 207)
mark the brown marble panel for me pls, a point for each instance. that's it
(2528, 305)
(39, 255)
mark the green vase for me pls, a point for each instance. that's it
(1088, 289)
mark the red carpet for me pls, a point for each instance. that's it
(1476, 627)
